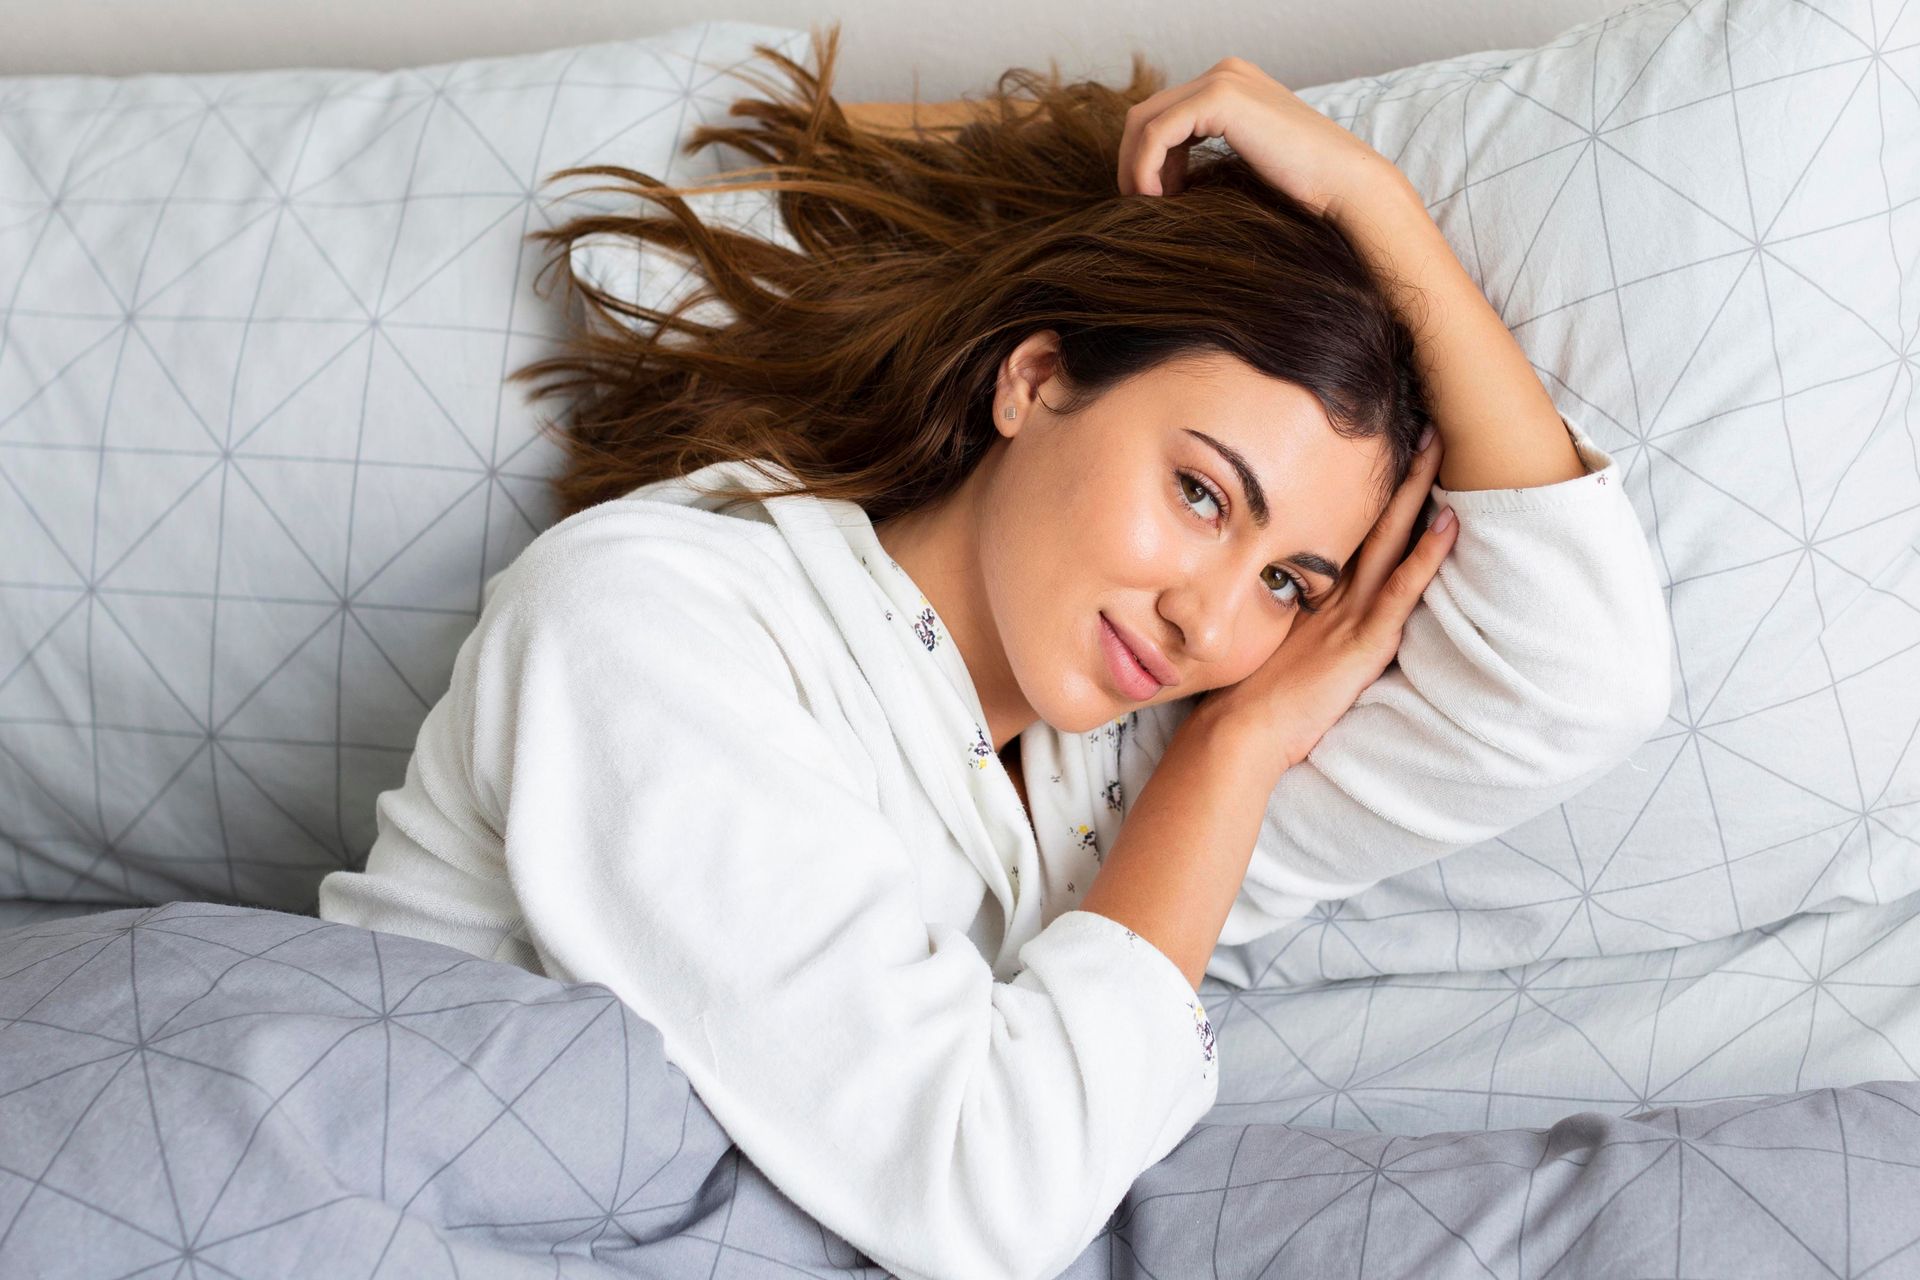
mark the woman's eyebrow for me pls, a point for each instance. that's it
(1256, 496)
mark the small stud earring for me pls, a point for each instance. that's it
(1007, 412)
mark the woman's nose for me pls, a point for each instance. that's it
(1202, 610)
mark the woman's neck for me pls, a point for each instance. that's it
(935, 547)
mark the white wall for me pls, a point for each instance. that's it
(954, 47)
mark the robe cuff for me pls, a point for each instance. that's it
(1601, 483)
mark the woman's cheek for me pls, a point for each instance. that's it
(1147, 535)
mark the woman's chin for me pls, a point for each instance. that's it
(1077, 715)
(1096, 715)
(1086, 706)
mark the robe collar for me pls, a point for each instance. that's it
(919, 679)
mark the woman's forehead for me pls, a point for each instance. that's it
(1264, 419)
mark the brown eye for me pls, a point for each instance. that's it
(1299, 587)
(1182, 478)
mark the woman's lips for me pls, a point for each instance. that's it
(1134, 680)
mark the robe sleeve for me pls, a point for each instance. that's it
(679, 826)
(1539, 658)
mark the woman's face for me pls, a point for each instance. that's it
(1091, 515)
(1108, 513)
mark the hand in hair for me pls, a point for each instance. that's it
(1331, 655)
(1288, 143)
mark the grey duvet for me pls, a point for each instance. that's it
(200, 1089)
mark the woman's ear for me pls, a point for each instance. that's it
(1030, 366)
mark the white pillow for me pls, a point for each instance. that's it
(258, 457)
(1704, 228)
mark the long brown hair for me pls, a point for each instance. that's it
(865, 363)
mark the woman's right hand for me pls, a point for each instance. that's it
(1331, 656)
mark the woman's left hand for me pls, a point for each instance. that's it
(1288, 143)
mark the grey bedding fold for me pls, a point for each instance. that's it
(260, 1090)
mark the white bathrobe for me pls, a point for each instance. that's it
(726, 761)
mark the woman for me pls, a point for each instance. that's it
(938, 658)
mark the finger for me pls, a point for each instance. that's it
(1386, 543)
(1123, 178)
(1137, 117)
(1165, 125)
(1167, 132)
(1173, 174)
(1395, 603)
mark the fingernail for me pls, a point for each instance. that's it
(1426, 437)
(1445, 519)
